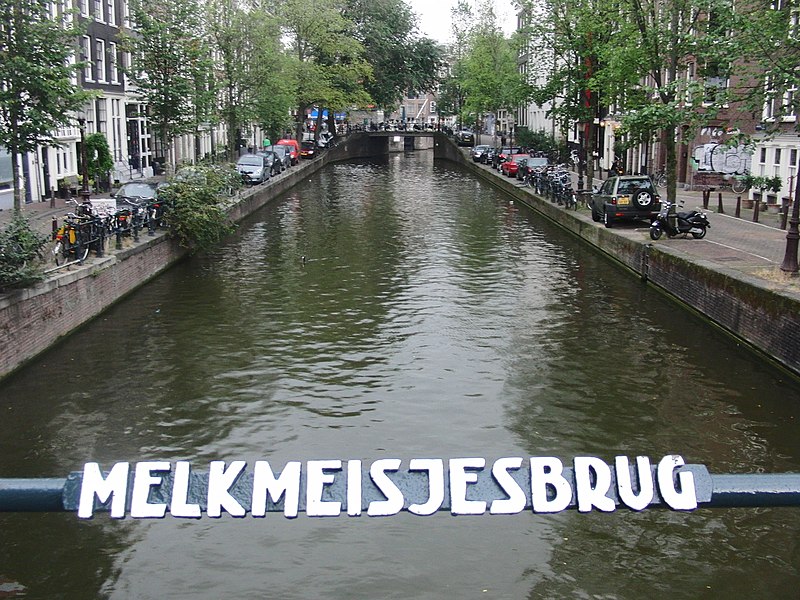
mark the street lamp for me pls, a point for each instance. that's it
(789, 264)
(84, 193)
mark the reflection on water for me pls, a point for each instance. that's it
(400, 309)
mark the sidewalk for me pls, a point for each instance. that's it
(754, 249)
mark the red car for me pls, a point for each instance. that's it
(294, 148)
(510, 166)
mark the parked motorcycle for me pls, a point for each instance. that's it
(694, 222)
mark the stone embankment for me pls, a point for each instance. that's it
(729, 277)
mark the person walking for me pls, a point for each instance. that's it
(503, 138)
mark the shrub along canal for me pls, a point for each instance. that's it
(400, 308)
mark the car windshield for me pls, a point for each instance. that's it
(251, 161)
(141, 190)
(279, 150)
(517, 159)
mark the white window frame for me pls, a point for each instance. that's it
(86, 51)
(112, 61)
(84, 7)
(112, 13)
(101, 60)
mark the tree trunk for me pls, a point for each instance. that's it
(668, 139)
(301, 117)
(15, 175)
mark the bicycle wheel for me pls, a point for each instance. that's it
(738, 186)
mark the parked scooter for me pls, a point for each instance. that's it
(694, 222)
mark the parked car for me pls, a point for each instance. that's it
(308, 150)
(465, 138)
(488, 157)
(625, 197)
(283, 154)
(530, 163)
(254, 168)
(501, 156)
(273, 160)
(137, 191)
(294, 148)
(478, 151)
(510, 166)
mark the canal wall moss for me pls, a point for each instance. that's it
(766, 320)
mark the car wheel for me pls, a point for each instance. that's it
(644, 199)
(608, 221)
(655, 233)
(699, 235)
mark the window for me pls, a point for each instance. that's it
(84, 7)
(793, 158)
(100, 107)
(763, 157)
(112, 62)
(98, 10)
(86, 58)
(777, 160)
(100, 54)
(110, 13)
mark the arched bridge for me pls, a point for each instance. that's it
(363, 144)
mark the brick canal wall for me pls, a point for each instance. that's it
(34, 319)
(766, 320)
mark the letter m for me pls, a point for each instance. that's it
(114, 486)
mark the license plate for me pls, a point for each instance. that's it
(623, 201)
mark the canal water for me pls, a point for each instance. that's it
(431, 317)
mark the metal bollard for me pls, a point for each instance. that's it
(756, 208)
(738, 213)
(784, 214)
(720, 210)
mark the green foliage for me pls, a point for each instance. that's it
(331, 67)
(37, 94)
(196, 211)
(763, 183)
(98, 156)
(539, 141)
(401, 61)
(491, 80)
(169, 58)
(20, 254)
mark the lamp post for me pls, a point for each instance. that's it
(84, 193)
(789, 264)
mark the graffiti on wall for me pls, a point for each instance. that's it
(719, 158)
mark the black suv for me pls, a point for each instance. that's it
(625, 197)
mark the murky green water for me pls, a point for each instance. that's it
(432, 318)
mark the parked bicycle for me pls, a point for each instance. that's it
(740, 183)
(79, 234)
(659, 178)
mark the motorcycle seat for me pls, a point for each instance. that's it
(687, 215)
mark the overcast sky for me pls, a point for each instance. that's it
(434, 17)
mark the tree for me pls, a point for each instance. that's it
(571, 43)
(331, 69)
(491, 80)
(657, 41)
(169, 58)
(236, 33)
(98, 157)
(38, 89)
(401, 61)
